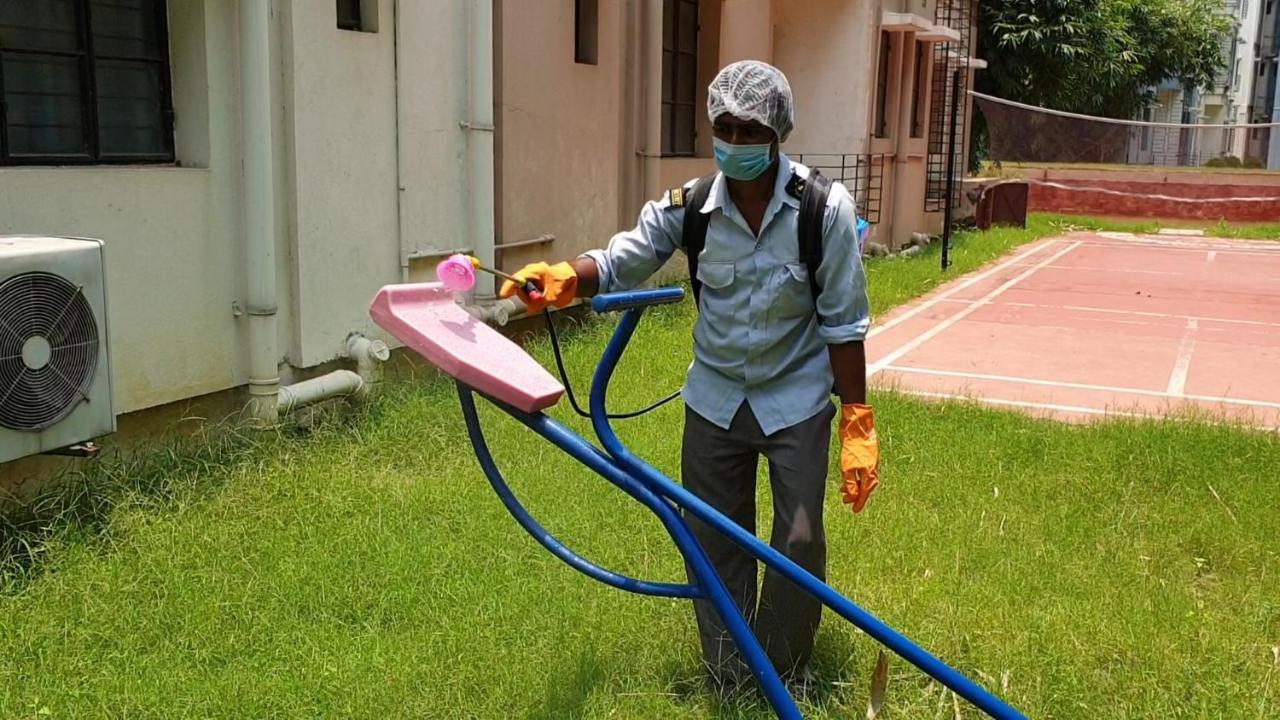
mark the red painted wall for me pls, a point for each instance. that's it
(1164, 195)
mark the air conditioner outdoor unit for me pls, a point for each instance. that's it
(55, 370)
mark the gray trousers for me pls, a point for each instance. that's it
(719, 466)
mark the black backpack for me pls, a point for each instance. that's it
(812, 192)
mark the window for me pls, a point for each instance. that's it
(679, 76)
(586, 31)
(84, 81)
(921, 91)
(882, 89)
(358, 15)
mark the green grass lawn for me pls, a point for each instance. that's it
(362, 567)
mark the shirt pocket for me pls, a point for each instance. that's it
(715, 275)
(792, 296)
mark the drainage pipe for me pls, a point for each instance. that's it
(499, 312)
(652, 98)
(324, 387)
(259, 210)
(480, 131)
(368, 355)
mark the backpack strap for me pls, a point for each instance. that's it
(812, 193)
(813, 205)
(693, 235)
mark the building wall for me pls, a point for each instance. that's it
(176, 263)
(339, 166)
(827, 48)
(558, 120)
(1244, 68)
(174, 254)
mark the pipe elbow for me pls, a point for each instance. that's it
(368, 354)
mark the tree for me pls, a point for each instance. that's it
(1098, 57)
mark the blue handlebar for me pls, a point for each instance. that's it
(660, 485)
(629, 299)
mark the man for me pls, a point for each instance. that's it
(765, 357)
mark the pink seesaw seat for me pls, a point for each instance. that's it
(425, 318)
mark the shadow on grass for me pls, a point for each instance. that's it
(567, 697)
(77, 507)
(829, 691)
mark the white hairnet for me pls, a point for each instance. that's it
(753, 90)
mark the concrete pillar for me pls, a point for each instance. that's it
(746, 31)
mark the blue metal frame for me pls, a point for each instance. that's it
(664, 497)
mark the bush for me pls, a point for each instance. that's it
(1254, 163)
(1226, 161)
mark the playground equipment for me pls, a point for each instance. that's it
(426, 318)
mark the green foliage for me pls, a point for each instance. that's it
(1226, 161)
(1098, 57)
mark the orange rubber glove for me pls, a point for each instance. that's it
(559, 284)
(859, 455)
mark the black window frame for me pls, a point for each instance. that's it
(586, 32)
(920, 92)
(354, 15)
(671, 67)
(87, 60)
(884, 69)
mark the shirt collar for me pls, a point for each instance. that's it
(718, 197)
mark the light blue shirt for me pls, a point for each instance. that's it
(757, 338)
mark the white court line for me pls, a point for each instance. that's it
(967, 283)
(1182, 367)
(1265, 246)
(1052, 406)
(1220, 251)
(1107, 269)
(1021, 403)
(1081, 386)
(932, 332)
(1112, 311)
(1251, 251)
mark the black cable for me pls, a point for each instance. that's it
(568, 388)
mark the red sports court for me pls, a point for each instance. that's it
(1091, 324)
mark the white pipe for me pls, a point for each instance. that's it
(368, 354)
(499, 312)
(480, 131)
(396, 44)
(259, 210)
(329, 385)
(652, 99)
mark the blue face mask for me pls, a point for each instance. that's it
(742, 162)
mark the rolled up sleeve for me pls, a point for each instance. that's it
(843, 307)
(632, 256)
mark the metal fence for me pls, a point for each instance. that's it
(861, 173)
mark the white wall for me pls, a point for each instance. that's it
(433, 100)
(173, 241)
(176, 265)
(340, 161)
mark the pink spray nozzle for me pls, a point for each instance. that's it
(457, 273)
